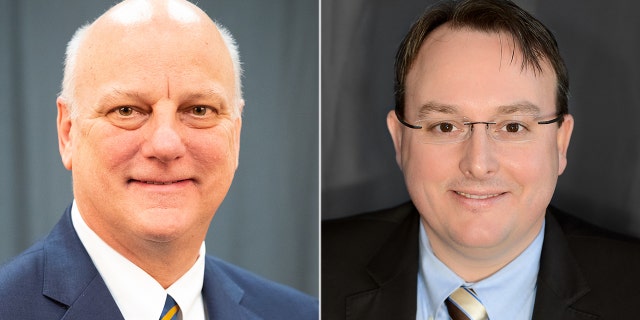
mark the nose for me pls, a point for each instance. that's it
(479, 159)
(164, 140)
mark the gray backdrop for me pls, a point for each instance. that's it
(600, 42)
(269, 221)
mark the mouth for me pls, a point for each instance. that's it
(158, 183)
(478, 196)
(161, 183)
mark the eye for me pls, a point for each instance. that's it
(445, 127)
(200, 111)
(200, 116)
(127, 117)
(513, 127)
(125, 111)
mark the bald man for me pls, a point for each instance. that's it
(148, 122)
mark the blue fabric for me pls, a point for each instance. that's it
(56, 279)
(168, 304)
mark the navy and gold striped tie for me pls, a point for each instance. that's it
(463, 304)
(170, 310)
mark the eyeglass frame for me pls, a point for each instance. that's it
(559, 118)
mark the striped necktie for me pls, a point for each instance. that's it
(463, 304)
(170, 310)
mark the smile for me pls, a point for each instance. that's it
(162, 183)
(158, 183)
(478, 196)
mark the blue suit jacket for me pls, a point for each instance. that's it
(56, 279)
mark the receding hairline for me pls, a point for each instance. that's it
(80, 38)
(507, 40)
(536, 43)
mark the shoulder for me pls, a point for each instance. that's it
(587, 240)
(608, 261)
(264, 297)
(25, 268)
(21, 287)
(365, 226)
(352, 241)
(367, 252)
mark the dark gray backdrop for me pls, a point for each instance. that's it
(269, 221)
(600, 42)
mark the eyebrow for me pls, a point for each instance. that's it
(116, 94)
(434, 107)
(209, 94)
(523, 107)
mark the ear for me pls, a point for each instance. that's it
(564, 137)
(395, 129)
(65, 138)
(238, 129)
(240, 107)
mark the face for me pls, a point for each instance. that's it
(479, 197)
(155, 144)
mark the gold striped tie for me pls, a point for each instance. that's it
(170, 310)
(463, 304)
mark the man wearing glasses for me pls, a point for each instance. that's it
(481, 130)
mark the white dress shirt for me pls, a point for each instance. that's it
(137, 294)
(508, 294)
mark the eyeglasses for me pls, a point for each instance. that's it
(508, 128)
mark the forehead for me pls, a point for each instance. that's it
(476, 72)
(154, 56)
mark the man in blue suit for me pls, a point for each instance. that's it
(148, 122)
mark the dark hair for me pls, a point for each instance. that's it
(534, 40)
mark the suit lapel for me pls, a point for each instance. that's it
(222, 296)
(394, 269)
(560, 281)
(95, 302)
(71, 279)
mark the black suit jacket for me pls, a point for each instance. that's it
(370, 267)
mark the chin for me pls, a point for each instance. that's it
(164, 224)
(480, 238)
(163, 233)
(160, 237)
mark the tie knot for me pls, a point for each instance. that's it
(463, 304)
(170, 310)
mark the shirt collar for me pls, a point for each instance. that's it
(435, 281)
(137, 294)
(517, 281)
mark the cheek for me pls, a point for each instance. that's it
(106, 146)
(424, 168)
(120, 148)
(535, 170)
(214, 156)
(216, 150)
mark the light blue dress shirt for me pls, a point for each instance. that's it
(509, 294)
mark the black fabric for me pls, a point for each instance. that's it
(370, 267)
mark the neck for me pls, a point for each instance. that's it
(165, 262)
(165, 259)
